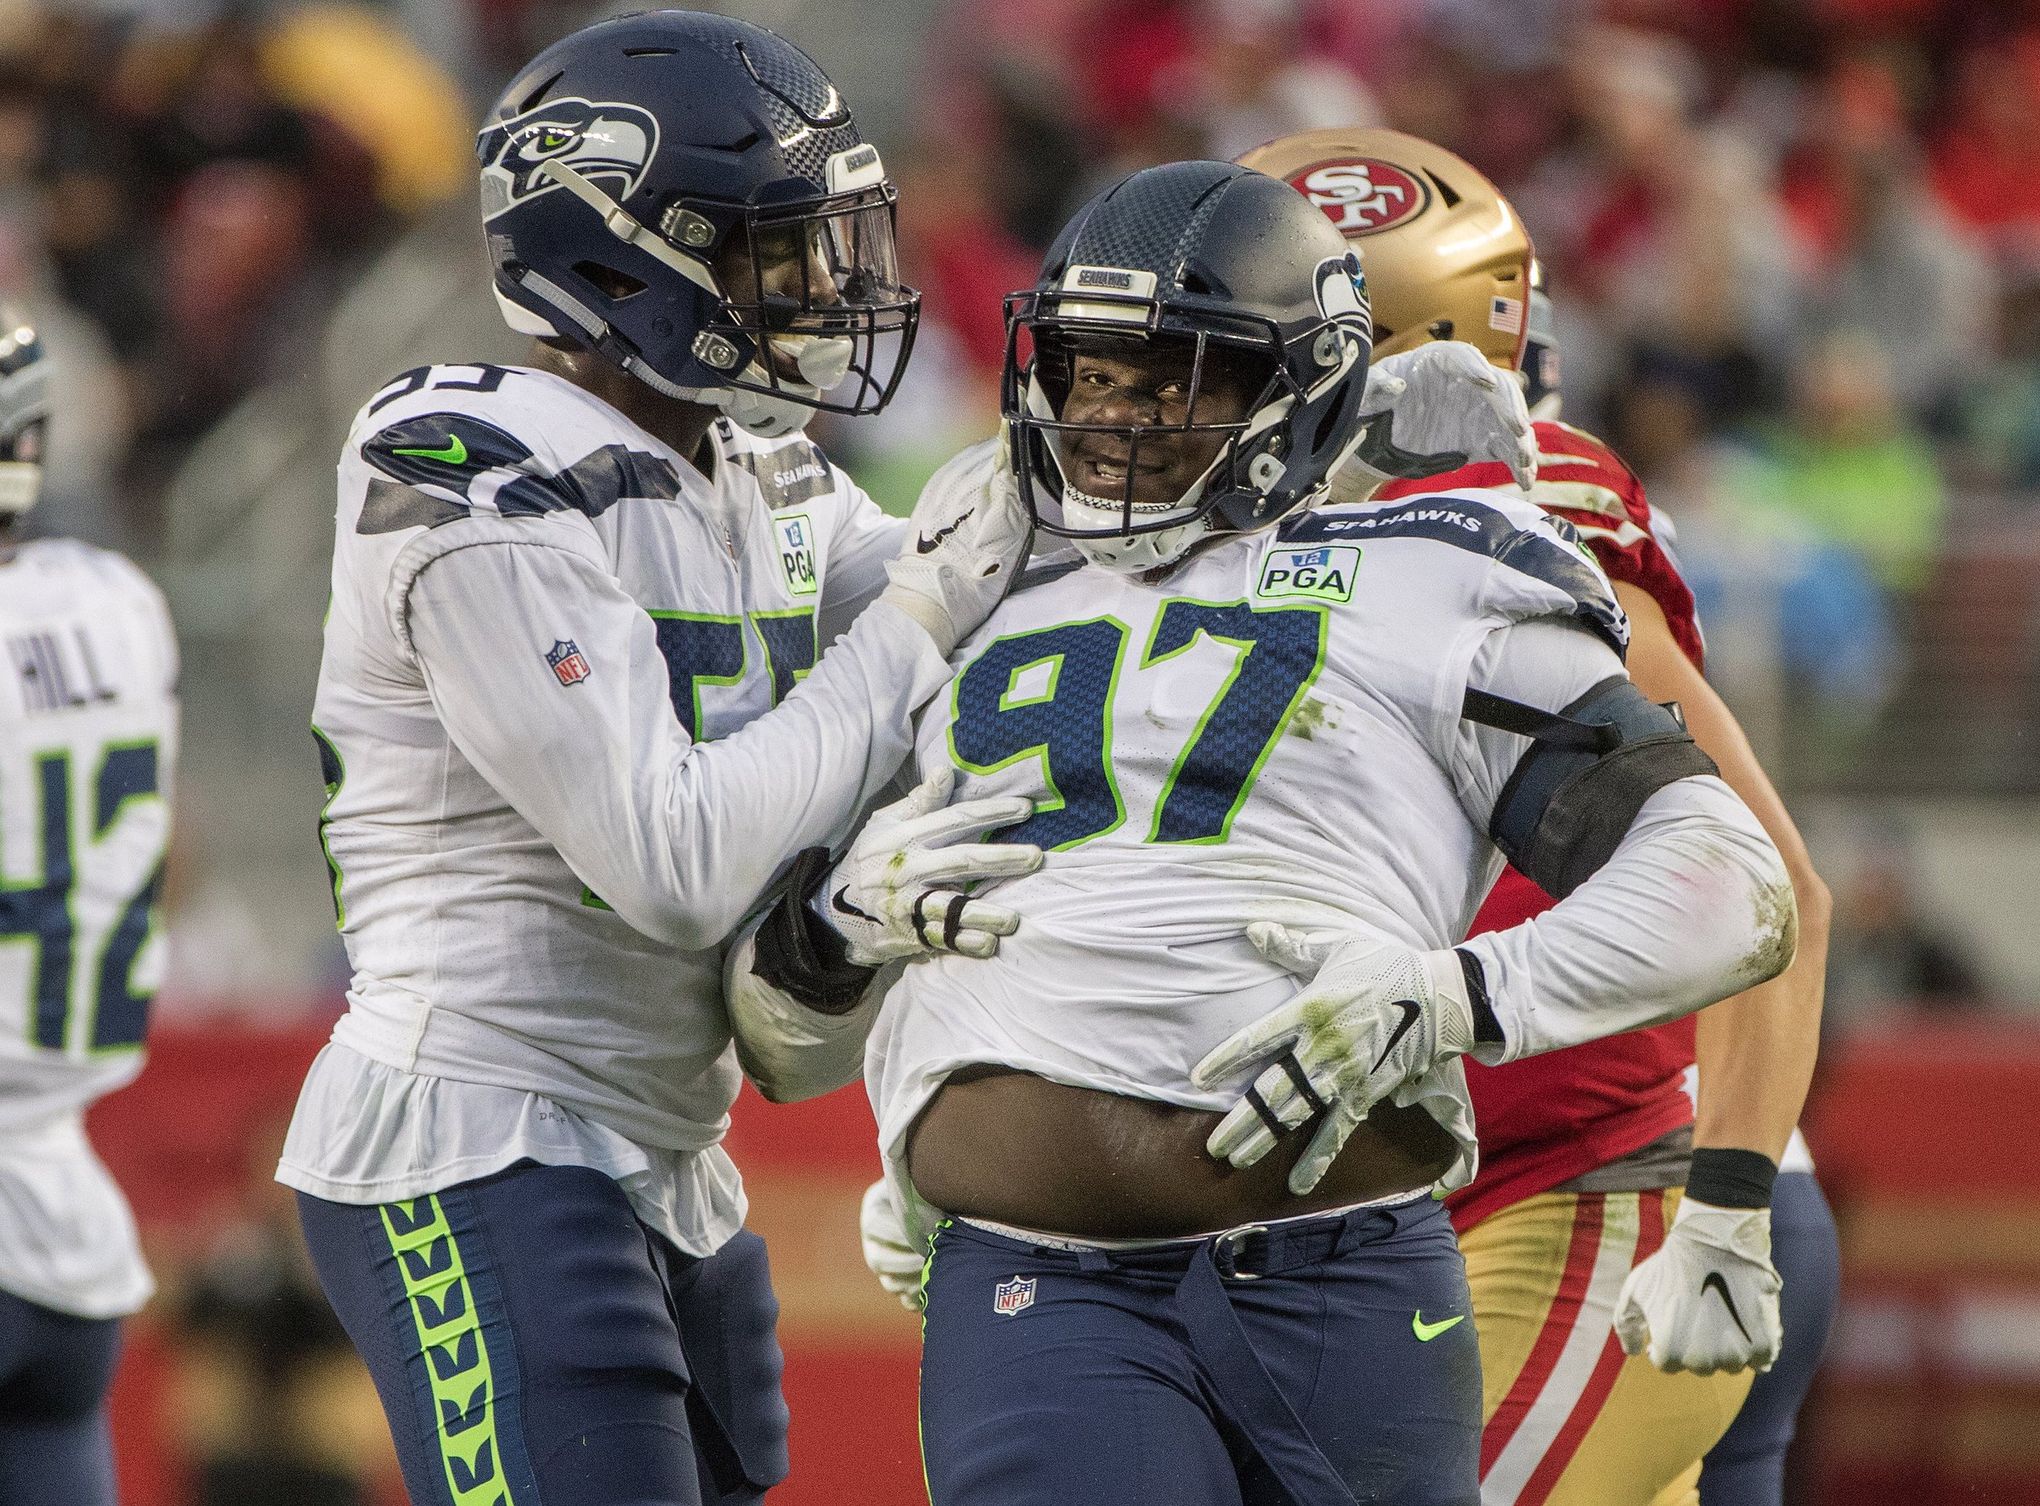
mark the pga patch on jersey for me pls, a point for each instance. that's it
(1322, 573)
(569, 665)
(1010, 1297)
(797, 553)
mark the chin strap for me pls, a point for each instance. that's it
(760, 413)
(1133, 554)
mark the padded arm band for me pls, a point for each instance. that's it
(1589, 770)
(798, 952)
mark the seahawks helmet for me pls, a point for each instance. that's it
(24, 411)
(688, 197)
(1243, 293)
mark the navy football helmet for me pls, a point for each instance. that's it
(24, 411)
(1248, 314)
(688, 196)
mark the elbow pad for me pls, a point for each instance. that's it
(1589, 769)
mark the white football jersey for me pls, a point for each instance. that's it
(88, 738)
(1271, 733)
(553, 785)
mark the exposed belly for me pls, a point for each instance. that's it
(1005, 1145)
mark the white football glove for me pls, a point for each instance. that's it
(899, 891)
(1441, 406)
(888, 1250)
(1708, 1299)
(1376, 1015)
(966, 547)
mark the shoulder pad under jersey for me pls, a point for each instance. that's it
(442, 443)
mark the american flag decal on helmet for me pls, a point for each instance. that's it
(569, 664)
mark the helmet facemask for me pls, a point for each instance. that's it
(813, 295)
(793, 303)
(1141, 429)
(1136, 431)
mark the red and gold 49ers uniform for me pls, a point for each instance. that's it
(1583, 1151)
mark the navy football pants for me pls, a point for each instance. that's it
(55, 1448)
(1318, 1364)
(535, 1345)
(1747, 1467)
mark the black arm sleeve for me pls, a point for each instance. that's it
(1587, 773)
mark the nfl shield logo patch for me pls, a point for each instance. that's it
(569, 665)
(1009, 1297)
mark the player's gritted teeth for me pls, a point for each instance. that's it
(1104, 465)
(1150, 396)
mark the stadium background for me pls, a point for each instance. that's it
(1796, 249)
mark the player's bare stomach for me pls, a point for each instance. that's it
(1015, 1148)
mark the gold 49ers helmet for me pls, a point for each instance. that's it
(1446, 257)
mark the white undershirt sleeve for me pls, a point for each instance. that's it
(1694, 905)
(680, 838)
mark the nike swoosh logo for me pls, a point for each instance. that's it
(841, 900)
(1717, 1284)
(925, 545)
(1426, 1332)
(1410, 1013)
(455, 452)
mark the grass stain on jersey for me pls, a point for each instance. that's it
(1311, 717)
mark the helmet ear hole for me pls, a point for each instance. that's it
(613, 283)
(1328, 426)
(1440, 329)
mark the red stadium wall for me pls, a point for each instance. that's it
(1931, 1394)
(1931, 1390)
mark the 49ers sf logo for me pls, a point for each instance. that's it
(1362, 194)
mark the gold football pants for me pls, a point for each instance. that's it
(1569, 1419)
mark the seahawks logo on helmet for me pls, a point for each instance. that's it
(1342, 291)
(597, 139)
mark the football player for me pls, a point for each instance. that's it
(574, 722)
(1265, 740)
(1603, 1218)
(88, 739)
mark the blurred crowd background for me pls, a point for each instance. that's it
(1795, 249)
(1795, 246)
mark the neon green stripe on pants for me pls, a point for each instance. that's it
(450, 1339)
